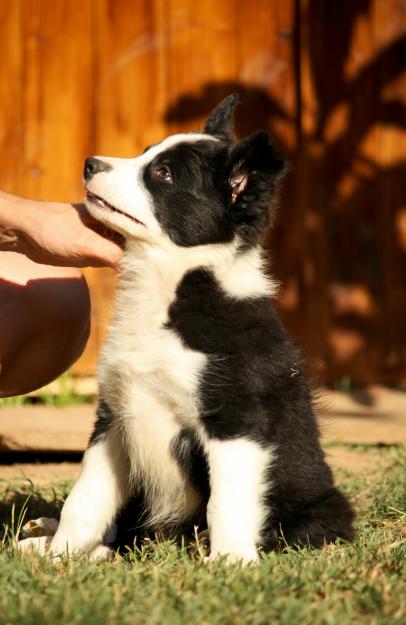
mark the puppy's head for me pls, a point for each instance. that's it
(190, 189)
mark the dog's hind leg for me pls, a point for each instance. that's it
(236, 511)
(322, 522)
(101, 490)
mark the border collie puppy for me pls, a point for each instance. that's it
(205, 414)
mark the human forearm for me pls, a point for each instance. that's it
(9, 221)
(20, 225)
(11, 207)
(55, 233)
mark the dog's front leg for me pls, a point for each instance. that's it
(95, 498)
(236, 509)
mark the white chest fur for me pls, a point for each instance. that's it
(149, 378)
(141, 355)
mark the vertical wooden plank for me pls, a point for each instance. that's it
(129, 75)
(347, 64)
(307, 196)
(11, 72)
(57, 105)
(355, 288)
(337, 121)
(389, 19)
(264, 51)
(200, 59)
(57, 97)
(265, 33)
(364, 326)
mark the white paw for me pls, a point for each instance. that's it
(38, 544)
(100, 553)
(37, 535)
(71, 543)
(245, 557)
(41, 536)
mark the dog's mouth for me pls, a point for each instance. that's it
(96, 199)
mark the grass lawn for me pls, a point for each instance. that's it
(360, 583)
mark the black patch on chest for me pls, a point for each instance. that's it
(253, 370)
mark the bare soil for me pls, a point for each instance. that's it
(50, 472)
(40, 472)
(372, 418)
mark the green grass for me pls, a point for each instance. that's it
(360, 583)
(63, 394)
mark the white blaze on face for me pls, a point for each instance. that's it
(124, 189)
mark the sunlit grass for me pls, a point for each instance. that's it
(162, 584)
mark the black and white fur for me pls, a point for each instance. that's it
(204, 410)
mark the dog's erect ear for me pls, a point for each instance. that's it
(254, 167)
(220, 121)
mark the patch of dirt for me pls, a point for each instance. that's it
(41, 473)
(49, 472)
(352, 460)
(375, 416)
(43, 428)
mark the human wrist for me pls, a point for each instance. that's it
(13, 211)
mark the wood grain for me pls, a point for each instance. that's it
(112, 76)
(11, 88)
(348, 60)
(57, 97)
(200, 57)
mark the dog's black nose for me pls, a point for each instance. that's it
(94, 166)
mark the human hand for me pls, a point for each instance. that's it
(60, 234)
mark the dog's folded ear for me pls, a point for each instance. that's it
(254, 156)
(254, 168)
(220, 121)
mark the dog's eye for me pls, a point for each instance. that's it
(164, 173)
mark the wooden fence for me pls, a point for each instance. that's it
(80, 77)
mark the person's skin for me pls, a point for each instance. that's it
(44, 298)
